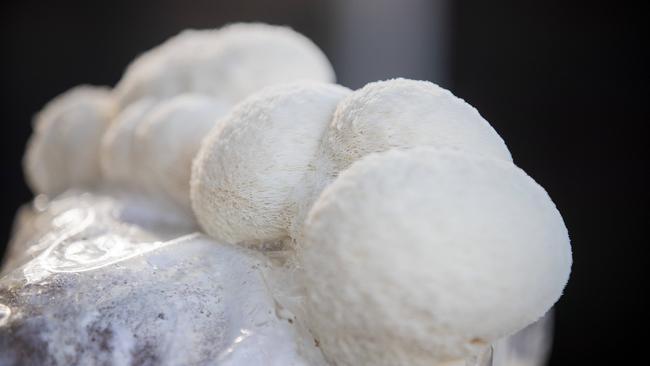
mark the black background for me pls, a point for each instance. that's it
(564, 83)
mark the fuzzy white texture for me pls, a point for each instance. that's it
(402, 113)
(398, 114)
(229, 63)
(421, 256)
(117, 145)
(63, 151)
(251, 175)
(167, 140)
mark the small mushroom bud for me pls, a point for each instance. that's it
(63, 151)
(252, 174)
(423, 256)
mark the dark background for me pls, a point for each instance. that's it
(564, 83)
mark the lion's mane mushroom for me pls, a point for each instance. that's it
(242, 187)
(402, 113)
(250, 176)
(422, 242)
(167, 140)
(117, 144)
(63, 151)
(422, 256)
(225, 64)
(229, 63)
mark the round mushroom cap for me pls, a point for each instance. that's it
(168, 139)
(252, 174)
(165, 70)
(402, 113)
(117, 145)
(253, 56)
(63, 151)
(470, 248)
(229, 63)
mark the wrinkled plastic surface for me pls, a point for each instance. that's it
(118, 280)
(94, 280)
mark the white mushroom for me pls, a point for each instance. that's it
(63, 151)
(397, 113)
(250, 177)
(226, 65)
(229, 63)
(168, 139)
(423, 256)
(165, 70)
(401, 113)
(117, 145)
(422, 242)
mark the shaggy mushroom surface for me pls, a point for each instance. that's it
(226, 203)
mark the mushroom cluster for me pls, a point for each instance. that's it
(144, 133)
(418, 238)
(414, 237)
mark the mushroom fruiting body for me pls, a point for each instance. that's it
(421, 256)
(63, 151)
(117, 144)
(402, 113)
(254, 56)
(167, 140)
(250, 176)
(229, 63)
(261, 177)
